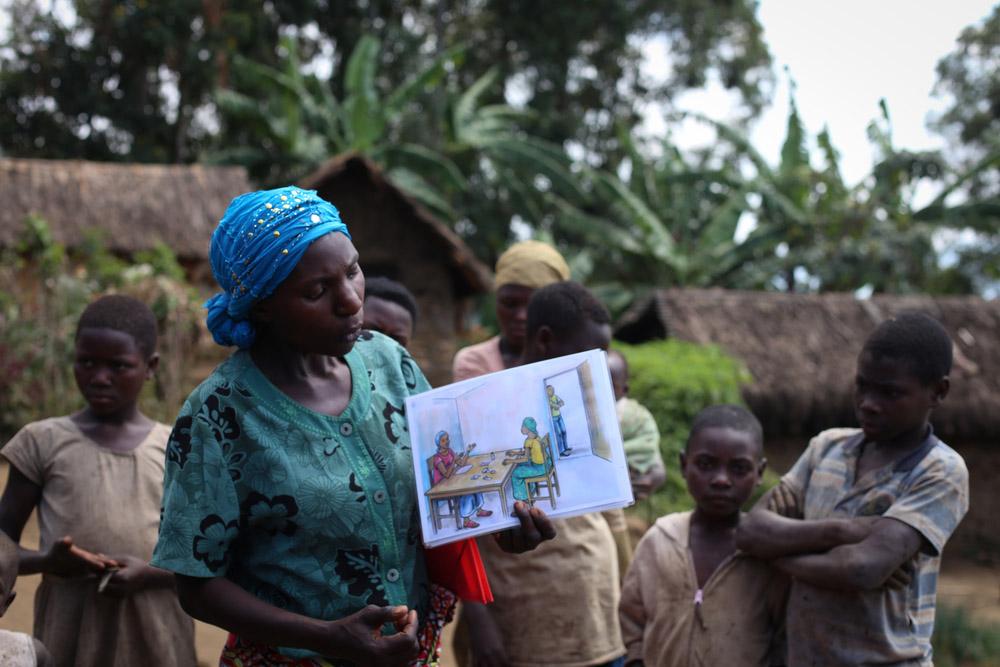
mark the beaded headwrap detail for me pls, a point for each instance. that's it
(258, 242)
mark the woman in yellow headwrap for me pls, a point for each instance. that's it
(521, 269)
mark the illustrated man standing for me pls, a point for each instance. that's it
(555, 403)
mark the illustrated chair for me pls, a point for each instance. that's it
(546, 482)
(451, 503)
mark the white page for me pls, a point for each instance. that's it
(485, 418)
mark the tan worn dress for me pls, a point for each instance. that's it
(109, 502)
(558, 605)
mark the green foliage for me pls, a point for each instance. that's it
(43, 290)
(960, 642)
(671, 219)
(675, 380)
(969, 78)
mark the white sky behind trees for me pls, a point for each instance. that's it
(843, 57)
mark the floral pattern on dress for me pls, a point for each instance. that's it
(179, 444)
(360, 569)
(271, 515)
(292, 506)
(212, 545)
(395, 422)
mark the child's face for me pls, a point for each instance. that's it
(549, 390)
(443, 442)
(588, 337)
(524, 429)
(890, 400)
(721, 466)
(390, 318)
(110, 370)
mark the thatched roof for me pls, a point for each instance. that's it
(476, 275)
(801, 350)
(134, 205)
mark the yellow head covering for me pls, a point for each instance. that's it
(531, 263)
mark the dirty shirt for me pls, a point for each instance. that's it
(927, 490)
(109, 502)
(736, 619)
(558, 604)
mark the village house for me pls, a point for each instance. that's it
(134, 206)
(801, 351)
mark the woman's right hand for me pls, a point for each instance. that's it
(359, 637)
(65, 559)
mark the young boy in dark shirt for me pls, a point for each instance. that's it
(870, 511)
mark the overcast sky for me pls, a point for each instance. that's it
(843, 56)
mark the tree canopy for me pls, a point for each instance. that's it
(135, 80)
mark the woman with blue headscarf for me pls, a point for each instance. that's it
(289, 508)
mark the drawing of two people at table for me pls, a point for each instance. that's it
(444, 464)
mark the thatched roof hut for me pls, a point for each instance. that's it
(801, 350)
(400, 239)
(134, 205)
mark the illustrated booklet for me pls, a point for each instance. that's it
(545, 434)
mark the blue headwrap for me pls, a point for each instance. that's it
(258, 242)
(437, 438)
(530, 424)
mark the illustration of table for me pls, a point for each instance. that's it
(462, 484)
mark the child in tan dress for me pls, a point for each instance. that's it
(96, 477)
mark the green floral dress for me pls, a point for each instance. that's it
(310, 513)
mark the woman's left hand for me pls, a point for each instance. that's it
(535, 528)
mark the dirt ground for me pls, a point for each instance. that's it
(974, 587)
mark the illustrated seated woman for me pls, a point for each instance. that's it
(534, 461)
(445, 463)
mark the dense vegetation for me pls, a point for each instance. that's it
(43, 290)
(507, 116)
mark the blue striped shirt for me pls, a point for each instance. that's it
(928, 491)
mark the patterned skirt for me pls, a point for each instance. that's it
(239, 652)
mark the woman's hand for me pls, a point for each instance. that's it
(133, 575)
(65, 559)
(535, 528)
(359, 637)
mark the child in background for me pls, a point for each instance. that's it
(390, 309)
(16, 648)
(558, 604)
(639, 433)
(96, 477)
(689, 597)
(873, 508)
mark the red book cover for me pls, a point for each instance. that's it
(458, 567)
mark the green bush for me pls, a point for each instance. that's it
(675, 380)
(43, 290)
(959, 642)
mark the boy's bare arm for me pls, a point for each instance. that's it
(864, 565)
(765, 534)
